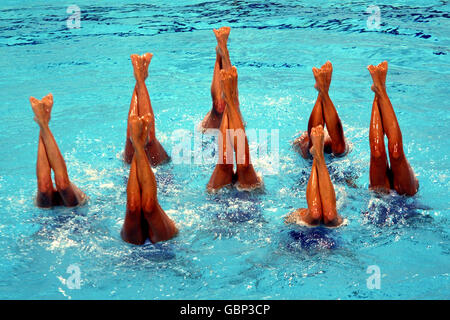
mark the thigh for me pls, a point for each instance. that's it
(134, 229)
(404, 179)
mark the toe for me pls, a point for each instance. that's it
(33, 100)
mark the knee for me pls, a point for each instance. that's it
(395, 150)
(62, 183)
(133, 204)
(377, 152)
(316, 214)
(218, 104)
(148, 205)
(45, 186)
(329, 215)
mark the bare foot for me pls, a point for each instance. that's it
(147, 58)
(378, 74)
(229, 87)
(222, 39)
(139, 129)
(317, 138)
(140, 65)
(382, 71)
(328, 68)
(42, 109)
(321, 75)
(227, 80)
(300, 144)
(222, 35)
(327, 71)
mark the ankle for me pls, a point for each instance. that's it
(139, 150)
(324, 94)
(382, 90)
(319, 157)
(43, 126)
(140, 83)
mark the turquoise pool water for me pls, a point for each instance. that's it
(231, 245)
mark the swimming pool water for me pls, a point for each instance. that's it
(231, 245)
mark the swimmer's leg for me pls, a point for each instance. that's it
(155, 152)
(222, 38)
(404, 180)
(300, 144)
(331, 117)
(214, 117)
(245, 172)
(222, 35)
(134, 109)
(134, 228)
(129, 150)
(160, 226)
(145, 104)
(223, 172)
(69, 193)
(313, 197)
(223, 62)
(313, 215)
(316, 118)
(46, 194)
(379, 167)
(328, 197)
(303, 143)
(246, 175)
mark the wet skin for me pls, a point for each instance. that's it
(140, 106)
(144, 216)
(397, 174)
(323, 113)
(320, 194)
(233, 140)
(50, 158)
(214, 117)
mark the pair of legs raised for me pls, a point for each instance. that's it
(232, 139)
(320, 194)
(214, 117)
(323, 113)
(399, 175)
(140, 106)
(144, 216)
(50, 158)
